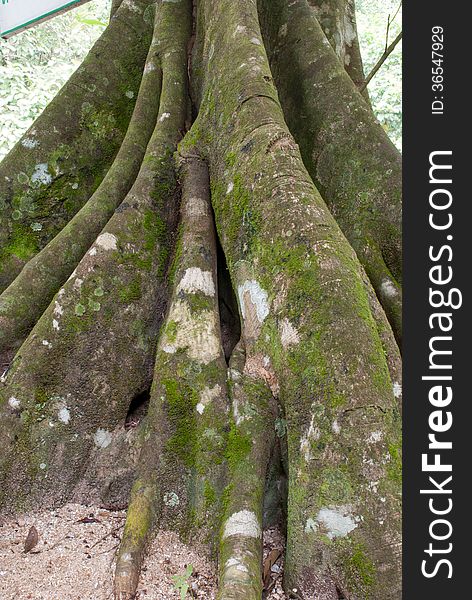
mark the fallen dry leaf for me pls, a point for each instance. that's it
(88, 520)
(31, 539)
(270, 560)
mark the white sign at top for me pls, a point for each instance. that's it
(17, 15)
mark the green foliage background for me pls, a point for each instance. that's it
(36, 63)
(385, 89)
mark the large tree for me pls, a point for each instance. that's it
(200, 270)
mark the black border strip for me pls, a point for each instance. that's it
(424, 133)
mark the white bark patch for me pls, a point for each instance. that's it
(150, 66)
(312, 434)
(234, 375)
(206, 396)
(164, 116)
(283, 30)
(243, 523)
(239, 29)
(129, 94)
(196, 207)
(336, 427)
(230, 187)
(237, 416)
(288, 334)
(397, 389)
(41, 174)
(55, 324)
(46, 343)
(169, 349)
(256, 41)
(349, 31)
(233, 568)
(92, 251)
(107, 241)
(102, 438)
(195, 333)
(64, 415)
(338, 521)
(388, 289)
(252, 295)
(14, 402)
(195, 280)
(310, 525)
(58, 310)
(130, 5)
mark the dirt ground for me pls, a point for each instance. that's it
(73, 558)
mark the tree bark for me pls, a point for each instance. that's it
(26, 298)
(304, 307)
(338, 21)
(92, 350)
(225, 207)
(61, 159)
(355, 166)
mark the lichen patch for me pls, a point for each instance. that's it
(107, 241)
(41, 174)
(171, 499)
(102, 438)
(334, 521)
(64, 415)
(375, 437)
(388, 289)
(13, 402)
(288, 334)
(29, 143)
(196, 207)
(397, 389)
(254, 304)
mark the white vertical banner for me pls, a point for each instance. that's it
(17, 15)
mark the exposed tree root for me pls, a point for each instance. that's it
(55, 167)
(26, 298)
(240, 556)
(305, 309)
(67, 393)
(180, 472)
(352, 161)
(314, 338)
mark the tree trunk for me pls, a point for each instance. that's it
(352, 161)
(206, 284)
(52, 171)
(338, 21)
